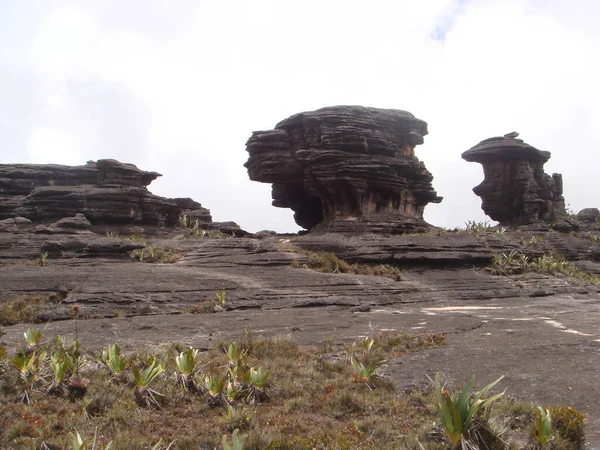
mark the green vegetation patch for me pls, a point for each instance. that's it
(155, 255)
(254, 393)
(327, 262)
(517, 263)
(26, 308)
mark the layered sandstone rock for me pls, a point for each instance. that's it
(346, 168)
(516, 190)
(192, 209)
(106, 192)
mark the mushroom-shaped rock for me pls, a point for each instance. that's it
(346, 168)
(515, 189)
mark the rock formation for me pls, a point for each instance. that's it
(516, 190)
(106, 192)
(346, 168)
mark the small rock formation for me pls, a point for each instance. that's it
(105, 191)
(193, 210)
(516, 190)
(589, 215)
(346, 168)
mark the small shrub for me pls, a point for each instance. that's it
(197, 230)
(237, 442)
(327, 262)
(42, 259)
(113, 361)
(475, 227)
(568, 424)
(207, 306)
(458, 411)
(221, 297)
(518, 263)
(156, 255)
(185, 363)
(542, 427)
(143, 394)
(22, 310)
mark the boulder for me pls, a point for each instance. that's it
(346, 169)
(192, 209)
(589, 215)
(516, 190)
(13, 224)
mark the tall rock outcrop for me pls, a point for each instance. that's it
(105, 191)
(516, 190)
(346, 168)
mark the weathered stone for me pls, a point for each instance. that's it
(79, 222)
(11, 225)
(590, 215)
(192, 209)
(106, 192)
(346, 168)
(516, 190)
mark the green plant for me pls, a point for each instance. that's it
(32, 337)
(237, 442)
(517, 263)
(235, 354)
(366, 371)
(136, 239)
(256, 380)
(568, 424)
(365, 361)
(213, 385)
(43, 258)
(159, 445)
(28, 364)
(237, 418)
(155, 255)
(183, 221)
(542, 427)
(185, 364)
(509, 263)
(143, 394)
(112, 234)
(535, 241)
(475, 227)
(78, 443)
(112, 360)
(221, 296)
(457, 411)
(61, 365)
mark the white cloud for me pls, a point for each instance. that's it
(179, 87)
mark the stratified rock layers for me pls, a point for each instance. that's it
(346, 168)
(516, 190)
(106, 192)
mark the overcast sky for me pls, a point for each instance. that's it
(177, 87)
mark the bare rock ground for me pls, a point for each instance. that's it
(540, 331)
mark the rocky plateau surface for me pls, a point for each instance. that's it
(539, 330)
(95, 237)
